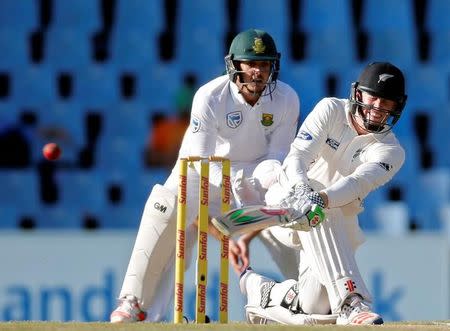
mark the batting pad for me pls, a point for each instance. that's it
(332, 259)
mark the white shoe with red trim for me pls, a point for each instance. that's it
(355, 311)
(128, 311)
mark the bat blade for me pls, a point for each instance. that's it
(251, 218)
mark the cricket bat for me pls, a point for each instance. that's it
(258, 217)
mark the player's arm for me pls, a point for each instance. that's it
(239, 249)
(381, 165)
(308, 143)
(239, 253)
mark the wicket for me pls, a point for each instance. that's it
(202, 239)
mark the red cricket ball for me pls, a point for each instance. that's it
(51, 151)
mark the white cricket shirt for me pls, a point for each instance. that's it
(224, 124)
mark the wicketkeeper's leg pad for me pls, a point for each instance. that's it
(154, 246)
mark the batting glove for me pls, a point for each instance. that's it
(296, 193)
(307, 205)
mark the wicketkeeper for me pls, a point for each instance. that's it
(247, 115)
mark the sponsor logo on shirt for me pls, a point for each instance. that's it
(385, 166)
(195, 124)
(332, 143)
(267, 119)
(304, 135)
(234, 119)
(357, 153)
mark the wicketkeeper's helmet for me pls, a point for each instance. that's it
(253, 45)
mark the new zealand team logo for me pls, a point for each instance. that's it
(384, 77)
(267, 119)
(234, 119)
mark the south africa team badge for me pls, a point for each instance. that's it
(234, 119)
(267, 119)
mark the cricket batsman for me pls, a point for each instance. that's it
(344, 149)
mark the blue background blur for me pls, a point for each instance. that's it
(89, 74)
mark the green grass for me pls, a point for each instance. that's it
(76, 326)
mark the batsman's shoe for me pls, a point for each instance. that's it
(128, 311)
(269, 302)
(355, 311)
